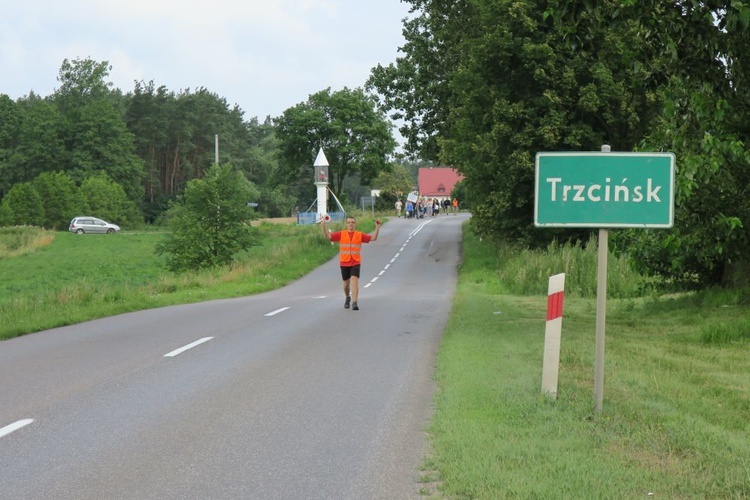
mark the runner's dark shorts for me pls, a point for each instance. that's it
(349, 271)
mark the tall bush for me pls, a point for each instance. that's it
(210, 222)
(61, 199)
(106, 199)
(23, 206)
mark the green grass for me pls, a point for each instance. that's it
(513, 270)
(18, 240)
(676, 415)
(74, 278)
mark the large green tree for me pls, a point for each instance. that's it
(96, 136)
(354, 135)
(485, 84)
(10, 122)
(31, 140)
(82, 80)
(706, 46)
(102, 143)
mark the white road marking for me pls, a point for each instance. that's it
(15, 426)
(185, 348)
(277, 311)
(411, 235)
(321, 297)
(420, 226)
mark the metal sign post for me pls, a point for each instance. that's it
(601, 313)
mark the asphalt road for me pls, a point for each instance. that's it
(284, 395)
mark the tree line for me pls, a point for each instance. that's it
(58, 153)
(483, 85)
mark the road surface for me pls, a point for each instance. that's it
(283, 395)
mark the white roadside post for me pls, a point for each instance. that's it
(552, 335)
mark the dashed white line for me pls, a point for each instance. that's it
(277, 311)
(403, 247)
(15, 426)
(185, 348)
(372, 281)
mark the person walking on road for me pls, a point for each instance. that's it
(398, 208)
(350, 259)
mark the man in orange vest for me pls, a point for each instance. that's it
(350, 259)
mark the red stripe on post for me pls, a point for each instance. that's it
(555, 305)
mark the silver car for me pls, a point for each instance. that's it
(82, 225)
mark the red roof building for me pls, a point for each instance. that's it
(437, 182)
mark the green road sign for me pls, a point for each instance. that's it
(582, 189)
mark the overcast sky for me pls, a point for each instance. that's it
(263, 55)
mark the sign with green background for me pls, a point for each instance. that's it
(593, 189)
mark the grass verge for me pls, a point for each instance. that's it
(676, 400)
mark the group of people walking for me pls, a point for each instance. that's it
(426, 207)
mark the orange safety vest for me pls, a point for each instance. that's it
(350, 246)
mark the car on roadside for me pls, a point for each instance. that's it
(87, 224)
